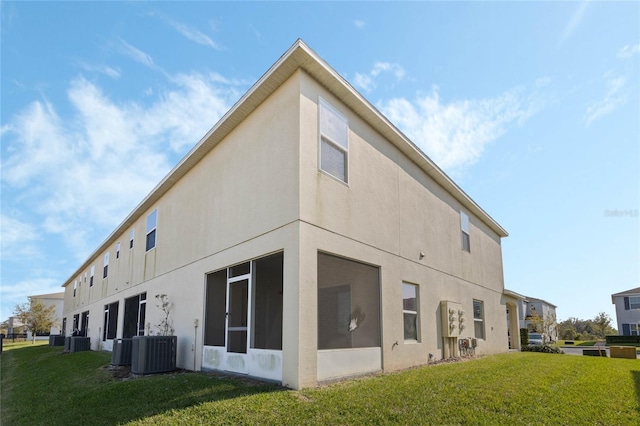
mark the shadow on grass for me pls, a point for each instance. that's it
(78, 389)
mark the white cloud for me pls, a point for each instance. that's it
(70, 170)
(194, 35)
(573, 23)
(103, 69)
(455, 134)
(367, 82)
(359, 24)
(136, 54)
(628, 51)
(613, 98)
(16, 240)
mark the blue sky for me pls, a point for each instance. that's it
(533, 108)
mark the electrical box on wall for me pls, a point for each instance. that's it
(453, 319)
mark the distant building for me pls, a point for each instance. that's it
(627, 311)
(530, 313)
(15, 326)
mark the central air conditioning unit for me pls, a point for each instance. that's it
(56, 340)
(80, 344)
(67, 344)
(121, 354)
(153, 354)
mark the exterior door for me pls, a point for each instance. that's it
(238, 290)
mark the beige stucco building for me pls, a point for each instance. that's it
(303, 239)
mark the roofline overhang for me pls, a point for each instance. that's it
(298, 56)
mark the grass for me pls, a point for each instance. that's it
(42, 386)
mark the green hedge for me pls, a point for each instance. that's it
(622, 339)
(524, 336)
(548, 349)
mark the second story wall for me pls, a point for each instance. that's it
(388, 201)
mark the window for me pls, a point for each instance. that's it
(110, 321)
(132, 234)
(464, 226)
(348, 304)
(85, 277)
(334, 141)
(634, 302)
(118, 250)
(134, 315)
(105, 271)
(84, 325)
(478, 319)
(75, 286)
(64, 327)
(93, 270)
(152, 220)
(410, 311)
(76, 324)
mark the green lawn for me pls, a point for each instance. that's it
(40, 385)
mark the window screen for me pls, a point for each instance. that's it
(348, 304)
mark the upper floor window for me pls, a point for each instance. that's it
(334, 141)
(118, 250)
(105, 271)
(75, 286)
(93, 270)
(634, 302)
(132, 234)
(464, 226)
(152, 221)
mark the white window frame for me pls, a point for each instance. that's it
(75, 286)
(633, 329)
(324, 137)
(634, 304)
(118, 250)
(152, 230)
(93, 270)
(132, 234)
(105, 270)
(464, 228)
(411, 312)
(480, 319)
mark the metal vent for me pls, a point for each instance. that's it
(121, 354)
(80, 344)
(153, 354)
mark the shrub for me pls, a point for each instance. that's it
(548, 349)
(622, 339)
(524, 336)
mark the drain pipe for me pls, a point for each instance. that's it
(195, 339)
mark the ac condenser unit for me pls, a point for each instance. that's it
(121, 354)
(153, 354)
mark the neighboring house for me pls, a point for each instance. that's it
(303, 239)
(51, 299)
(521, 313)
(627, 311)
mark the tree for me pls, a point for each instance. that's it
(535, 321)
(602, 325)
(36, 316)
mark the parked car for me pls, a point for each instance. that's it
(535, 339)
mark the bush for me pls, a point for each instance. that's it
(524, 336)
(547, 349)
(622, 339)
